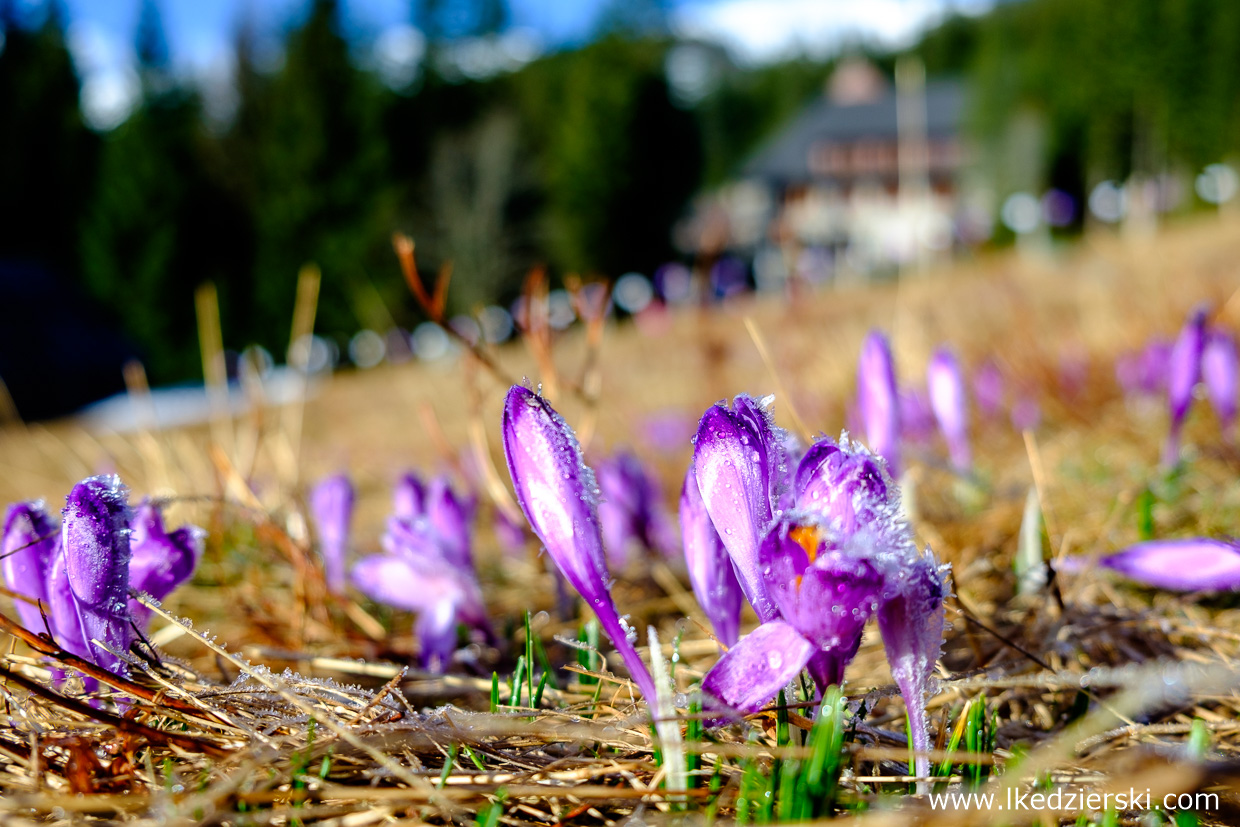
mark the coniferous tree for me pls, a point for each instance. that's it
(47, 154)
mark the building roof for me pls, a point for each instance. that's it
(786, 157)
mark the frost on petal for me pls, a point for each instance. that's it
(754, 670)
(710, 568)
(331, 507)
(1188, 565)
(30, 540)
(911, 620)
(559, 496)
(95, 534)
(730, 462)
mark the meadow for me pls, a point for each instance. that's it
(267, 699)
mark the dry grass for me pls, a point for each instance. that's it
(299, 746)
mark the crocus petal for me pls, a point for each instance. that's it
(710, 568)
(436, 631)
(159, 561)
(945, 382)
(403, 583)
(877, 400)
(759, 666)
(30, 541)
(1183, 375)
(730, 462)
(843, 485)
(63, 616)
(1220, 367)
(96, 550)
(450, 517)
(331, 506)
(1188, 565)
(827, 594)
(409, 497)
(558, 494)
(911, 621)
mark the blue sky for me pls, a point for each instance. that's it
(200, 32)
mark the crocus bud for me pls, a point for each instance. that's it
(331, 507)
(160, 561)
(30, 540)
(451, 517)
(877, 401)
(911, 617)
(1220, 368)
(945, 382)
(96, 552)
(409, 497)
(1195, 564)
(559, 496)
(733, 464)
(710, 568)
(988, 389)
(1183, 376)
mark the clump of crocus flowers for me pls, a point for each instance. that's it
(80, 574)
(815, 542)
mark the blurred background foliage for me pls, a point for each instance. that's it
(582, 159)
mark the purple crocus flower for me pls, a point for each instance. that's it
(331, 506)
(1220, 368)
(710, 568)
(95, 534)
(911, 617)
(30, 541)
(1195, 564)
(945, 382)
(631, 509)
(409, 496)
(877, 400)
(559, 496)
(739, 462)
(1184, 374)
(428, 568)
(160, 560)
(988, 389)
